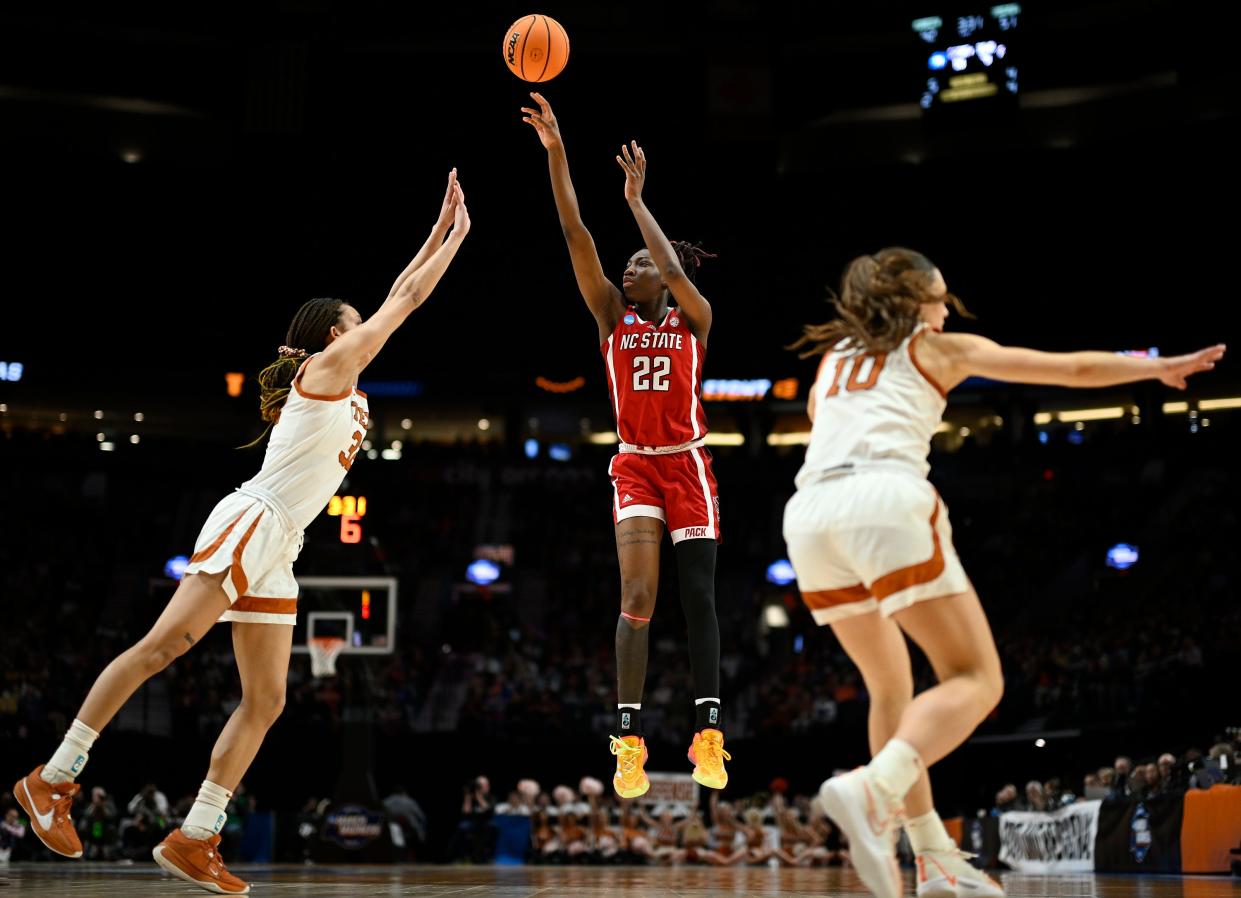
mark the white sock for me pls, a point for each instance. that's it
(206, 818)
(68, 761)
(896, 767)
(927, 833)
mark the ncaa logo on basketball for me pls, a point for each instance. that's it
(629, 319)
(512, 46)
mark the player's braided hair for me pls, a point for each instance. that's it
(308, 334)
(690, 255)
(878, 304)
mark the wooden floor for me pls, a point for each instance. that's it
(87, 880)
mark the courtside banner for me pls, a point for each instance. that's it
(1138, 836)
(1062, 841)
(672, 788)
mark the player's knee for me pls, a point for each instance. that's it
(156, 654)
(890, 699)
(637, 602)
(266, 702)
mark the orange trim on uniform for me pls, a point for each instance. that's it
(913, 358)
(264, 605)
(240, 583)
(830, 598)
(359, 392)
(915, 574)
(211, 549)
(297, 385)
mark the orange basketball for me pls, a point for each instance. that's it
(536, 48)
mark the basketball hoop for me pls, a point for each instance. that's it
(323, 653)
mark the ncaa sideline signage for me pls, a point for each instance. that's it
(1062, 841)
(353, 826)
(1140, 836)
(672, 788)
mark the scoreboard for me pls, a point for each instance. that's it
(967, 59)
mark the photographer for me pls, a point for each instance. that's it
(475, 839)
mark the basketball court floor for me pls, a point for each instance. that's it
(81, 880)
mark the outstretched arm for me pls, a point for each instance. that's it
(694, 306)
(349, 354)
(958, 356)
(605, 301)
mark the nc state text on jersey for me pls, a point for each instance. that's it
(652, 340)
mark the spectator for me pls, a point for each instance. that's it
(409, 822)
(12, 832)
(98, 827)
(140, 837)
(1166, 762)
(574, 838)
(1035, 798)
(1057, 797)
(309, 823)
(1124, 769)
(150, 801)
(1005, 800)
(605, 839)
(475, 840)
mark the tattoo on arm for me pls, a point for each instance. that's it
(189, 638)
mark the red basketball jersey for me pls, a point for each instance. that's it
(655, 378)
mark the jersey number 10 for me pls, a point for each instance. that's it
(861, 376)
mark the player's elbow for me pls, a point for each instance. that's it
(1076, 371)
(575, 233)
(672, 273)
(411, 293)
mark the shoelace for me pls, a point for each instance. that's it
(713, 753)
(626, 755)
(216, 865)
(62, 806)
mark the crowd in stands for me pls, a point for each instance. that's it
(1152, 777)
(1082, 644)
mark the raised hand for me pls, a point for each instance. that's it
(447, 210)
(635, 170)
(461, 216)
(543, 120)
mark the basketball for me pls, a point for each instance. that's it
(536, 48)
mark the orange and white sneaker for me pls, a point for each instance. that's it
(707, 755)
(48, 806)
(949, 874)
(198, 861)
(630, 780)
(868, 818)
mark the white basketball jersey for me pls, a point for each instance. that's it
(872, 409)
(311, 448)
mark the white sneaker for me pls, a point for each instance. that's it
(949, 874)
(868, 818)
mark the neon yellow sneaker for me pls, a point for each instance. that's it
(630, 780)
(708, 755)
